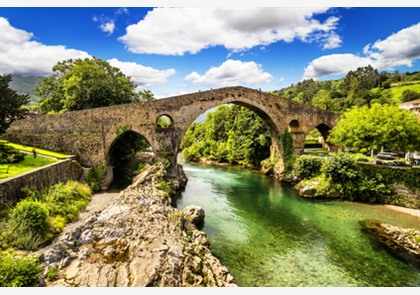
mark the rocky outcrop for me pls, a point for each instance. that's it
(138, 240)
(404, 243)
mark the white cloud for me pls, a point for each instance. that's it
(333, 41)
(108, 27)
(141, 75)
(21, 55)
(176, 31)
(232, 73)
(334, 64)
(399, 49)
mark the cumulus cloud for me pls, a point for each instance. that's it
(399, 49)
(176, 31)
(141, 75)
(231, 73)
(20, 55)
(334, 64)
(108, 27)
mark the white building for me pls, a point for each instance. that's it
(413, 106)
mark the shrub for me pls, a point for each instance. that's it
(67, 200)
(28, 226)
(339, 167)
(52, 274)
(306, 167)
(19, 271)
(31, 216)
(95, 177)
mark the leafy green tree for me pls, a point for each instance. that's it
(83, 84)
(375, 127)
(12, 104)
(146, 95)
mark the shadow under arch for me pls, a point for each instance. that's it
(126, 156)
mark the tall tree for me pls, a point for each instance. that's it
(82, 84)
(375, 127)
(12, 103)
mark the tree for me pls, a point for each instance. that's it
(375, 127)
(146, 95)
(409, 95)
(83, 84)
(12, 103)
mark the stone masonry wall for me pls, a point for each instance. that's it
(40, 178)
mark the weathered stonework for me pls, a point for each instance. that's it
(38, 179)
(90, 133)
(138, 240)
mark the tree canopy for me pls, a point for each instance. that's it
(84, 83)
(230, 134)
(12, 103)
(375, 127)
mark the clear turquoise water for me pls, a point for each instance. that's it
(268, 236)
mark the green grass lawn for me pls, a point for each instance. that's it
(26, 165)
(39, 151)
(396, 92)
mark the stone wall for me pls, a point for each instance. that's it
(40, 178)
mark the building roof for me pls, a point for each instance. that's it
(416, 101)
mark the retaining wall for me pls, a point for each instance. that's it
(39, 178)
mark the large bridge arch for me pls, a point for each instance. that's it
(89, 133)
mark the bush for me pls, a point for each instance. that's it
(52, 274)
(31, 216)
(28, 226)
(306, 167)
(19, 271)
(95, 177)
(67, 200)
(339, 167)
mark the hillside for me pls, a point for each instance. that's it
(363, 86)
(25, 85)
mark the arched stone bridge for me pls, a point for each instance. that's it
(90, 133)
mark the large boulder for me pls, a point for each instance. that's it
(404, 243)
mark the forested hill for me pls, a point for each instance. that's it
(363, 86)
(25, 85)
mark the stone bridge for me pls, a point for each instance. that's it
(90, 133)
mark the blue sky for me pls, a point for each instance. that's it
(179, 49)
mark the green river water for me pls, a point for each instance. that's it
(269, 236)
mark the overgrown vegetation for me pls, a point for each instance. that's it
(19, 271)
(41, 215)
(32, 223)
(338, 175)
(95, 176)
(230, 134)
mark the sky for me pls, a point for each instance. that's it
(182, 47)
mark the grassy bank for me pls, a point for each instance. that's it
(29, 163)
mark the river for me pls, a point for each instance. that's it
(268, 236)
